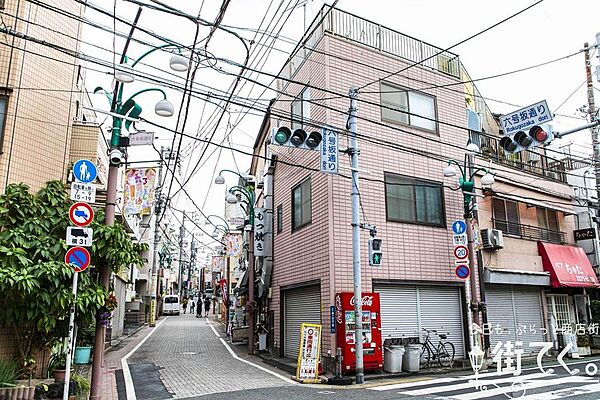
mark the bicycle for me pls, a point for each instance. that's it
(444, 353)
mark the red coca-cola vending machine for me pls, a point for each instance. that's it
(371, 325)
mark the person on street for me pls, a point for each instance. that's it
(199, 308)
(206, 305)
(185, 303)
(192, 306)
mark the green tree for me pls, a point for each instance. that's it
(35, 282)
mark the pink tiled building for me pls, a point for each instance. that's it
(413, 116)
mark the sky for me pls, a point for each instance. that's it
(549, 30)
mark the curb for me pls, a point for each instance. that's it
(121, 339)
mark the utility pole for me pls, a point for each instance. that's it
(191, 263)
(353, 151)
(157, 213)
(593, 117)
(181, 262)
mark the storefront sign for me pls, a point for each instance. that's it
(332, 319)
(307, 369)
(584, 234)
(260, 231)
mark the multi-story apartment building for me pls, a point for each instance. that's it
(413, 113)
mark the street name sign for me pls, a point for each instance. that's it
(81, 214)
(79, 258)
(329, 151)
(77, 236)
(85, 192)
(141, 138)
(84, 171)
(526, 117)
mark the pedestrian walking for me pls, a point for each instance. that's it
(206, 305)
(185, 303)
(192, 306)
(199, 308)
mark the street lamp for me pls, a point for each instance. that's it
(248, 192)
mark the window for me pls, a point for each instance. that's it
(300, 109)
(560, 307)
(506, 216)
(412, 200)
(301, 207)
(3, 110)
(407, 107)
(2, 5)
(280, 218)
(548, 221)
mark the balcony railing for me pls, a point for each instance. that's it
(529, 161)
(530, 232)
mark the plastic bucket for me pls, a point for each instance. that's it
(82, 355)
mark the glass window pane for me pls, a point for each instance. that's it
(422, 106)
(297, 207)
(433, 196)
(499, 215)
(279, 218)
(512, 216)
(296, 114)
(541, 217)
(306, 203)
(400, 199)
(395, 102)
(552, 220)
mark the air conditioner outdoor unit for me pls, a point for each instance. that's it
(492, 239)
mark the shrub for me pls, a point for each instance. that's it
(9, 372)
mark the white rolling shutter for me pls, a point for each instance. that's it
(517, 311)
(302, 305)
(405, 309)
(440, 309)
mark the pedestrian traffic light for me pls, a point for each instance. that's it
(375, 253)
(538, 135)
(299, 138)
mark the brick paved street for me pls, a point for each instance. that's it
(191, 361)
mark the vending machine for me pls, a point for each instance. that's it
(371, 325)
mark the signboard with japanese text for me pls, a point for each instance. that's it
(307, 369)
(233, 244)
(77, 236)
(236, 221)
(141, 138)
(260, 231)
(526, 117)
(85, 192)
(329, 152)
(584, 234)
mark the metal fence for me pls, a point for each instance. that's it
(530, 232)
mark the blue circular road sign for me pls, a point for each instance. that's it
(84, 171)
(78, 257)
(462, 271)
(459, 227)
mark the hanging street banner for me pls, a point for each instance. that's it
(233, 244)
(329, 151)
(217, 264)
(139, 191)
(525, 118)
(260, 231)
(307, 369)
(85, 192)
(477, 242)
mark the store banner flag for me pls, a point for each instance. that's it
(139, 191)
(217, 264)
(307, 370)
(233, 244)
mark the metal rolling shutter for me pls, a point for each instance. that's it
(302, 305)
(405, 309)
(399, 315)
(440, 309)
(514, 307)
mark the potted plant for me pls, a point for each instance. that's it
(82, 386)
(9, 373)
(85, 341)
(58, 366)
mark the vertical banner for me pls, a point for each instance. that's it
(309, 353)
(224, 290)
(139, 191)
(217, 264)
(329, 151)
(260, 230)
(233, 244)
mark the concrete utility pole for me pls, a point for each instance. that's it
(593, 117)
(158, 211)
(475, 264)
(353, 151)
(181, 262)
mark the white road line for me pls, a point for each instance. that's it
(527, 386)
(471, 384)
(213, 328)
(562, 393)
(129, 388)
(235, 356)
(423, 382)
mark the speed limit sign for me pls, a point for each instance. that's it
(461, 252)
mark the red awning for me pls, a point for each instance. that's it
(568, 266)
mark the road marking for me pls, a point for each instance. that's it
(412, 384)
(235, 356)
(129, 388)
(562, 393)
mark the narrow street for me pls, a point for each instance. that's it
(184, 358)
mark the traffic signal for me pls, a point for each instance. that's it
(537, 135)
(375, 252)
(299, 138)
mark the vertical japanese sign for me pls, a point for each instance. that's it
(260, 230)
(329, 152)
(307, 369)
(139, 191)
(233, 244)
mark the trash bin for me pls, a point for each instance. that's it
(412, 358)
(392, 358)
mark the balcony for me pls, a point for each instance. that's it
(364, 32)
(530, 232)
(528, 161)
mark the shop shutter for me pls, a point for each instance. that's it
(518, 311)
(302, 305)
(405, 309)
(440, 309)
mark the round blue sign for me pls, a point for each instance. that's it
(463, 271)
(459, 227)
(84, 171)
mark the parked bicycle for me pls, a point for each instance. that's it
(443, 353)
